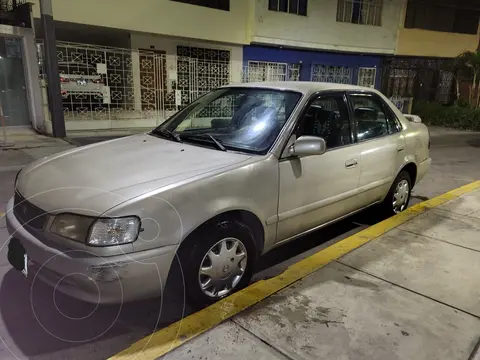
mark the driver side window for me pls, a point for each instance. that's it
(327, 117)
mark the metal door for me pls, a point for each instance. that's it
(13, 89)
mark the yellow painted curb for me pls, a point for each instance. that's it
(171, 337)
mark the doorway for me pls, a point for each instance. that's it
(13, 87)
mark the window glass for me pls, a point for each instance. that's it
(214, 4)
(241, 119)
(370, 116)
(273, 5)
(327, 117)
(298, 7)
(293, 6)
(302, 7)
(366, 12)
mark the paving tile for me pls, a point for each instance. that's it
(226, 341)
(468, 204)
(341, 313)
(437, 269)
(447, 226)
(14, 158)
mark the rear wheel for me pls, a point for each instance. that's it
(217, 261)
(399, 195)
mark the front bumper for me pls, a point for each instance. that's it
(92, 278)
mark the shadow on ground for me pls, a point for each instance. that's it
(39, 321)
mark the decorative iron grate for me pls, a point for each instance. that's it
(331, 74)
(260, 71)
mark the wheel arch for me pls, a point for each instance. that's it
(411, 169)
(245, 216)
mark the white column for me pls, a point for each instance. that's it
(137, 89)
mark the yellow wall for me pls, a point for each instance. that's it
(418, 42)
(158, 17)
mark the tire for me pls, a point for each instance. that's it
(196, 252)
(388, 206)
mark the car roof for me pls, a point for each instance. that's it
(305, 87)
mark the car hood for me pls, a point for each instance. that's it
(92, 179)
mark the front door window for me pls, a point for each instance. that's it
(327, 117)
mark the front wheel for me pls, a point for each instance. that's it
(217, 261)
(399, 195)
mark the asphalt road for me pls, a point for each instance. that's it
(39, 323)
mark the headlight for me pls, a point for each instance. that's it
(118, 231)
(72, 226)
(95, 231)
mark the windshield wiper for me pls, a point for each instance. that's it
(167, 134)
(217, 143)
(201, 138)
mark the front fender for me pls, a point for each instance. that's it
(169, 216)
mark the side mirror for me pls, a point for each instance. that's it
(308, 145)
(413, 118)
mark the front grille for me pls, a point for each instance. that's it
(28, 214)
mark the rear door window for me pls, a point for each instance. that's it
(371, 117)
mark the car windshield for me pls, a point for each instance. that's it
(241, 119)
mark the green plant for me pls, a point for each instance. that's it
(462, 103)
(451, 116)
(467, 65)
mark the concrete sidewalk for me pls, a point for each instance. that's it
(411, 293)
(27, 147)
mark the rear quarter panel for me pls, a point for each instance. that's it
(418, 138)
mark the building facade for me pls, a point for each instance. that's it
(431, 33)
(339, 41)
(118, 73)
(129, 66)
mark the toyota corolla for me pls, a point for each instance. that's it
(238, 172)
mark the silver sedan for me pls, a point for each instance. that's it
(238, 172)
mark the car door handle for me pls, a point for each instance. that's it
(351, 163)
(400, 147)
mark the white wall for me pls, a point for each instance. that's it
(319, 29)
(158, 17)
